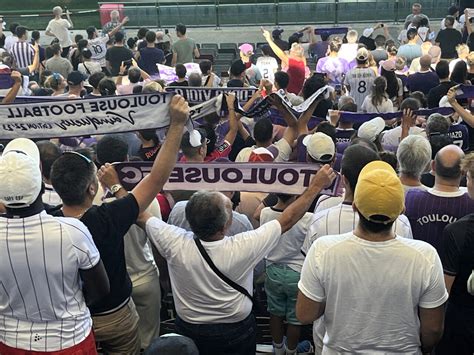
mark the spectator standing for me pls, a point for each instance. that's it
(59, 28)
(10, 40)
(150, 56)
(360, 79)
(458, 263)
(334, 278)
(412, 49)
(98, 45)
(334, 67)
(380, 52)
(295, 63)
(181, 74)
(378, 101)
(88, 67)
(282, 44)
(50, 270)
(266, 64)
(74, 178)
(117, 54)
(425, 79)
(448, 39)
(114, 22)
(319, 49)
(432, 210)
(416, 11)
(414, 156)
(219, 313)
(283, 268)
(209, 78)
(49, 152)
(348, 50)
(462, 51)
(445, 83)
(184, 49)
(22, 51)
(58, 64)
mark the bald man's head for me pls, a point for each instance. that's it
(425, 62)
(448, 162)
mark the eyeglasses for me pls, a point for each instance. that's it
(88, 161)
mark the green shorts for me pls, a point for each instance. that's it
(281, 286)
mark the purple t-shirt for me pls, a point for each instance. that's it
(149, 58)
(430, 211)
(334, 67)
(423, 82)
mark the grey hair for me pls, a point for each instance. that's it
(195, 79)
(414, 155)
(207, 213)
(115, 12)
(57, 9)
(437, 123)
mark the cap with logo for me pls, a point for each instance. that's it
(379, 194)
(320, 147)
(277, 32)
(20, 173)
(362, 54)
(371, 129)
(193, 139)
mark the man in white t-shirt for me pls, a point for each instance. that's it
(379, 293)
(59, 28)
(209, 310)
(98, 45)
(283, 268)
(348, 51)
(50, 269)
(342, 218)
(267, 65)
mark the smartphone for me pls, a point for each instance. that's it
(128, 63)
(381, 25)
(167, 31)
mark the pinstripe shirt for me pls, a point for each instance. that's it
(342, 219)
(42, 307)
(23, 52)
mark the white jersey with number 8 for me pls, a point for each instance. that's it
(360, 81)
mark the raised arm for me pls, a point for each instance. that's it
(11, 94)
(233, 121)
(68, 16)
(294, 212)
(291, 132)
(465, 115)
(277, 50)
(118, 27)
(148, 188)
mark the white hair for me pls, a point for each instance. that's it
(414, 155)
(57, 10)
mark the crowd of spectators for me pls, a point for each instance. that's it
(386, 266)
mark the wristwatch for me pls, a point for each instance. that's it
(115, 188)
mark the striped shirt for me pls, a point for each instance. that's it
(42, 307)
(23, 52)
(342, 219)
(50, 196)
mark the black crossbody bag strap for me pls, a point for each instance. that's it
(224, 278)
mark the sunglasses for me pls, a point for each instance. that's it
(88, 161)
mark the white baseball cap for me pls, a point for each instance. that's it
(320, 147)
(371, 129)
(368, 32)
(20, 174)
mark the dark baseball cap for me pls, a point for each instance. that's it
(277, 32)
(75, 78)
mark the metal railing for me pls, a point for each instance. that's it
(218, 13)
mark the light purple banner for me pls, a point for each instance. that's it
(289, 178)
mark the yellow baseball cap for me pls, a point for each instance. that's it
(379, 194)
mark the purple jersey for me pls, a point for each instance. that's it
(344, 135)
(334, 67)
(460, 136)
(430, 211)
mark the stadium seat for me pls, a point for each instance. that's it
(210, 45)
(228, 46)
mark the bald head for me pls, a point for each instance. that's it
(425, 62)
(425, 47)
(57, 11)
(448, 162)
